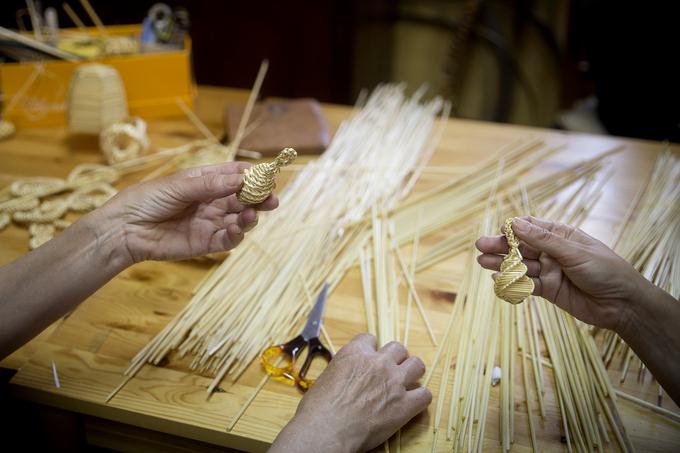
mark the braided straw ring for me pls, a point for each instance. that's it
(90, 197)
(513, 285)
(123, 141)
(40, 233)
(19, 204)
(92, 173)
(36, 186)
(47, 212)
(259, 180)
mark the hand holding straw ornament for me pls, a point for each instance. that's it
(259, 180)
(512, 284)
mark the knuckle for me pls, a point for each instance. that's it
(210, 181)
(343, 355)
(544, 235)
(342, 352)
(563, 226)
(563, 230)
(187, 173)
(396, 346)
(356, 343)
(363, 336)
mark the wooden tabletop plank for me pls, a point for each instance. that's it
(92, 347)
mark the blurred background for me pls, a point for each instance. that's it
(592, 66)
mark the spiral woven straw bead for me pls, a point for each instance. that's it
(259, 180)
(513, 285)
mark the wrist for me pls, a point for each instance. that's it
(107, 234)
(639, 305)
(314, 433)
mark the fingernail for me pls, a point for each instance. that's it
(521, 225)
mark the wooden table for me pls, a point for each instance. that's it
(94, 344)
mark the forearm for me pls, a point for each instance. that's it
(653, 332)
(48, 282)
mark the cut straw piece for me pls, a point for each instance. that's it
(647, 405)
(74, 18)
(412, 289)
(196, 121)
(94, 17)
(244, 407)
(414, 260)
(252, 98)
(55, 375)
(35, 44)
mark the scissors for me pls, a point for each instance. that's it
(290, 351)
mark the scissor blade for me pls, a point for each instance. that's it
(313, 326)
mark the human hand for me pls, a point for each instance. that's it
(571, 269)
(361, 399)
(188, 214)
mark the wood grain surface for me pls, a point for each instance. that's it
(93, 345)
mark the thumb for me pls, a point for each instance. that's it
(207, 187)
(540, 238)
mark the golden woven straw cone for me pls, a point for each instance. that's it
(259, 180)
(512, 284)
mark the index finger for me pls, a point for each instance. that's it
(229, 168)
(363, 341)
(562, 229)
(498, 245)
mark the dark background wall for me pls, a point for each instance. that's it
(308, 43)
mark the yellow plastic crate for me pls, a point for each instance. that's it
(153, 84)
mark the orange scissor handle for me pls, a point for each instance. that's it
(272, 356)
(315, 349)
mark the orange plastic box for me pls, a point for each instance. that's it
(153, 83)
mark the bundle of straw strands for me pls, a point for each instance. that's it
(516, 339)
(349, 208)
(650, 241)
(491, 333)
(265, 287)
